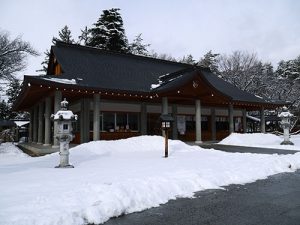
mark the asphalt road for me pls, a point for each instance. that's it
(266, 202)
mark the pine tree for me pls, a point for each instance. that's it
(108, 32)
(288, 79)
(84, 37)
(189, 59)
(209, 60)
(64, 35)
(4, 110)
(45, 62)
(13, 91)
(137, 47)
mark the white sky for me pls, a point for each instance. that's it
(271, 28)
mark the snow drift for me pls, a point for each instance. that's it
(112, 178)
(261, 140)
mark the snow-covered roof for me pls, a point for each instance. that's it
(65, 115)
(253, 118)
(21, 123)
(285, 114)
(59, 80)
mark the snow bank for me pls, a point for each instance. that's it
(261, 140)
(8, 150)
(112, 178)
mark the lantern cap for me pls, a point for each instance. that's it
(285, 113)
(166, 118)
(64, 113)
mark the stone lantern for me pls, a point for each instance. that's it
(166, 121)
(286, 116)
(64, 119)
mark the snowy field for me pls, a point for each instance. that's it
(261, 140)
(112, 178)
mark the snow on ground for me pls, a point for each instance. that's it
(8, 152)
(112, 178)
(261, 140)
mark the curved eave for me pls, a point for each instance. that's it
(36, 88)
(186, 79)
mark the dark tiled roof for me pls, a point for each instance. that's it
(230, 90)
(111, 70)
(100, 69)
(182, 77)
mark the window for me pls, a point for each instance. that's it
(204, 123)
(65, 126)
(133, 121)
(191, 125)
(109, 122)
(222, 123)
(119, 121)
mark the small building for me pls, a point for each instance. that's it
(119, 95)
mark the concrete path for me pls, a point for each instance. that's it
(244, 149)
(273, 201)
(34, 149)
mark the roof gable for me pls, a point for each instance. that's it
(210, 85)
(110, 70)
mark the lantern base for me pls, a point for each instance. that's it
(287, 143)
(64, 166)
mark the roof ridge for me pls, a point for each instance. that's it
(61, 43)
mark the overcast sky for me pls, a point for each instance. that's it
(271, 28)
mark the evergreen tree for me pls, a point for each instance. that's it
(189, 59)
(13, 91)
(45, 62)
(84, 37)
(4, 110)
(137, 47)
(64, 35)
(108, 33)
(14, 88)
(209, 60)
(288, 79)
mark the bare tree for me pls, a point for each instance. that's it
(13, 55)
(240, 68)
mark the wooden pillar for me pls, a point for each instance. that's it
(35, 125)
(47, 139)
(213, 124)
(96, 115)
(262, 120)
(174, 127)
(198, 121)
(85, 120)
(165, 107)
(57, 101)
(41, 123)
(244, 121)
(143, 118)
(230, 115)
(30, 130)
